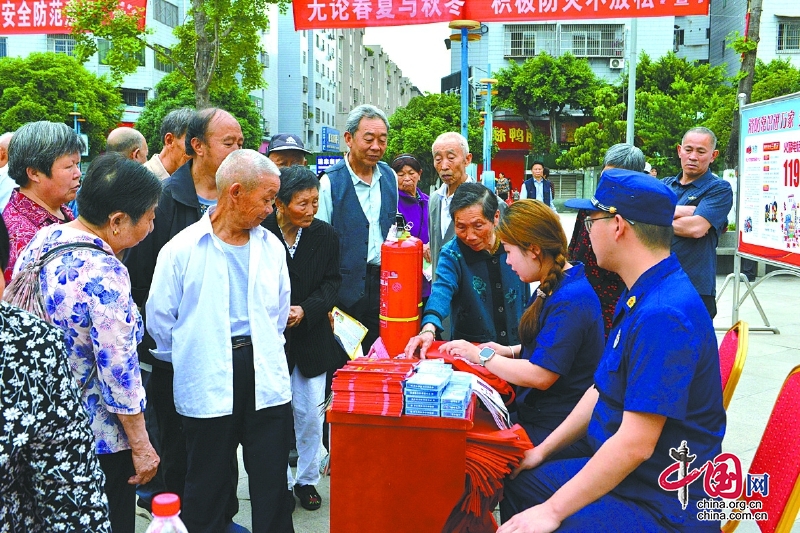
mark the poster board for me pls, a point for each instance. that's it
(768, 222)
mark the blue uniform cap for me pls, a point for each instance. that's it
(632, 195)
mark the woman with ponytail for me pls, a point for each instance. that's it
(561, 330)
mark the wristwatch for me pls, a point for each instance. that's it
(484, 355)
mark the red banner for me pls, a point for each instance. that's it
(328, 14)
(47, 16)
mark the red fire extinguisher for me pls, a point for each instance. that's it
(401, 290)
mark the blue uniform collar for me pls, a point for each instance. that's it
(648, 280)
(574, 273)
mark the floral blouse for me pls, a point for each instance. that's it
(50, 479)
(87, 293)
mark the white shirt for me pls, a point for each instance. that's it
(539, 186)
(369, 197)
(155, 166)
(444, 208)
(7, 184)
(188, 315)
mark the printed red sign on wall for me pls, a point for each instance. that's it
(328, 14)
(47, 16)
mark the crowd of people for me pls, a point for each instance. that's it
(187, 299)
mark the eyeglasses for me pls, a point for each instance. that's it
(589, 221)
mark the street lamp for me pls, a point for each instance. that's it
(487, 126)
(464, 37)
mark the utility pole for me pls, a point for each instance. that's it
(747, 72)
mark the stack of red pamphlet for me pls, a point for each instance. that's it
(371, 386)
(491, 455)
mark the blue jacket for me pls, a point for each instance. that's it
(479, 291)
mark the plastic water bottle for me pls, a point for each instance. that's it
(166, 508)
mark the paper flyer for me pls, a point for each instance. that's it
(349, 330)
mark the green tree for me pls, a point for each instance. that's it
(773, 79)
(547, 85)
(44, 86)
(414, 128)
(593, 139)
(173, 92)
(219, 43)
(658, 76)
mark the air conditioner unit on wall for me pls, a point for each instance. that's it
(616, 63)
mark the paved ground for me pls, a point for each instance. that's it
(770, 358)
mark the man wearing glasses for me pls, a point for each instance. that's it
(657, 388)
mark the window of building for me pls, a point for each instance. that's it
(316, 65)
(316, 115)
(318, 90)
(317, 137)
(305, 84)
(61, 44)
(3, 46)
(593, 40)
(678, 38)
(166, 65)
(134, 97)
(165, 13)
(305, 111)
(708, 33)
(264, 59)
(304, 57)
(527, 40)
(104, 47)
(789, 36)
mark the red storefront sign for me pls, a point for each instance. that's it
(327, 14)
(47, 16)
(512, 135)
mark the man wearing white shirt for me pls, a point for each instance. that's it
(7, 184)
(217, 310)
(450, 159)
(358, 197)
(538, 187)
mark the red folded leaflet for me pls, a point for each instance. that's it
(371, 387)
(356, 385)
(491, 456)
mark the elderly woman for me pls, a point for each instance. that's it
(43, 160)
(413, 205)
(87, 294)
(561, 330)
(474, 285)
(312, 254)
(50, 478)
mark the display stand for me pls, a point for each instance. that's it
(395, 474)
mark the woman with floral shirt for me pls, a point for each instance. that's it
(87, 293)
(50, 479)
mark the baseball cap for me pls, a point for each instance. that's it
(286, 141)
(632, 195)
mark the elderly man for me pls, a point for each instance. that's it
(286, 149)
(218, 307)
(451, 156)
(606, 284)
(657, 389)
(211, 135)
(704, 201)
(173, 135)
(358, 197)
(6, 183)
(128, 142)
(538, 187)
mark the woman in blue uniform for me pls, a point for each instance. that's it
(561, 331)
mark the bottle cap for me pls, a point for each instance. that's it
(166, 504)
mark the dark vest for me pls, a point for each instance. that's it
(350, 223)
(547, 190)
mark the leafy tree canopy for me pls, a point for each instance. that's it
(658, 76)
(44, 86)
(773, 79)
(593, 139)
(414, 128)
(219, 43)
(173, 92)
(547, 85)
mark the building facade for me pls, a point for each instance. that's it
(779, 32)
